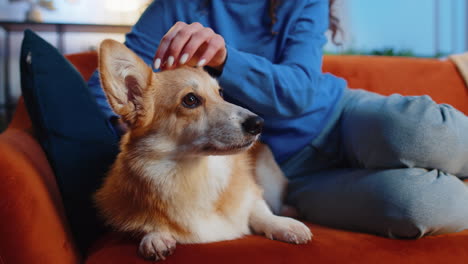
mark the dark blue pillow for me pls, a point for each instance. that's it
(76, 137)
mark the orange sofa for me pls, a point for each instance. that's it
(33, 228)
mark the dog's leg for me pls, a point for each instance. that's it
(270, 177)
(286, 229)
(273, 182)
(156, 246)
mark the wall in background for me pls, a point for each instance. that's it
(67, 11)
(78, 11)
(425, 27)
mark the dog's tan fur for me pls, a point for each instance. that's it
(184, 174)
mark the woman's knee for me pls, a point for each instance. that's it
(427, 203)
(397, 203)
(423, 134)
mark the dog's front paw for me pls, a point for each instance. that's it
(288, 230)
(156, 246)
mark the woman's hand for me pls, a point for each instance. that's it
(193, 45)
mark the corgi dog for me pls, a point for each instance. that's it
(189, 169)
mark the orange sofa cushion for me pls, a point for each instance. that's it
(327, 246)
(33, 228)
(408, 76)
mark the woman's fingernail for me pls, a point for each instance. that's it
(201, 63)
(184, 58)
(157, 63)
(170, 61)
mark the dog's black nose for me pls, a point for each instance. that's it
(253, 125)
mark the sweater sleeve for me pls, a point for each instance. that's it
(285, 88)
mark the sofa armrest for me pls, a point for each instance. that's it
(439, 79)
(33, 228)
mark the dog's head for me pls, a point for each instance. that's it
(178, 112)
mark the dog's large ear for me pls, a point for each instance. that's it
(124, 78)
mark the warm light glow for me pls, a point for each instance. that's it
(122, 5)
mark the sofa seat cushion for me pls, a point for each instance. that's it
(328, 246)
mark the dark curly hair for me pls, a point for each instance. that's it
(334, 24)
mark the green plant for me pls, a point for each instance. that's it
(393, 52)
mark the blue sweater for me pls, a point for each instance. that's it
(275, 76)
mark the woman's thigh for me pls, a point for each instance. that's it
(397, 131)
(398, 203)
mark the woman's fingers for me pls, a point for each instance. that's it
(160, 56)
(198, 39)
(215, 53)
(184, 43)
(207, 46)
(183, 36)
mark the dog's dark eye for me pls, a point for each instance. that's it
(221, 93)
(190, 101)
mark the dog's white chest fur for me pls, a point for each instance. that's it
(217, 227)
(194, 190)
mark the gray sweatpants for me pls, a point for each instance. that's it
(385, 165)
